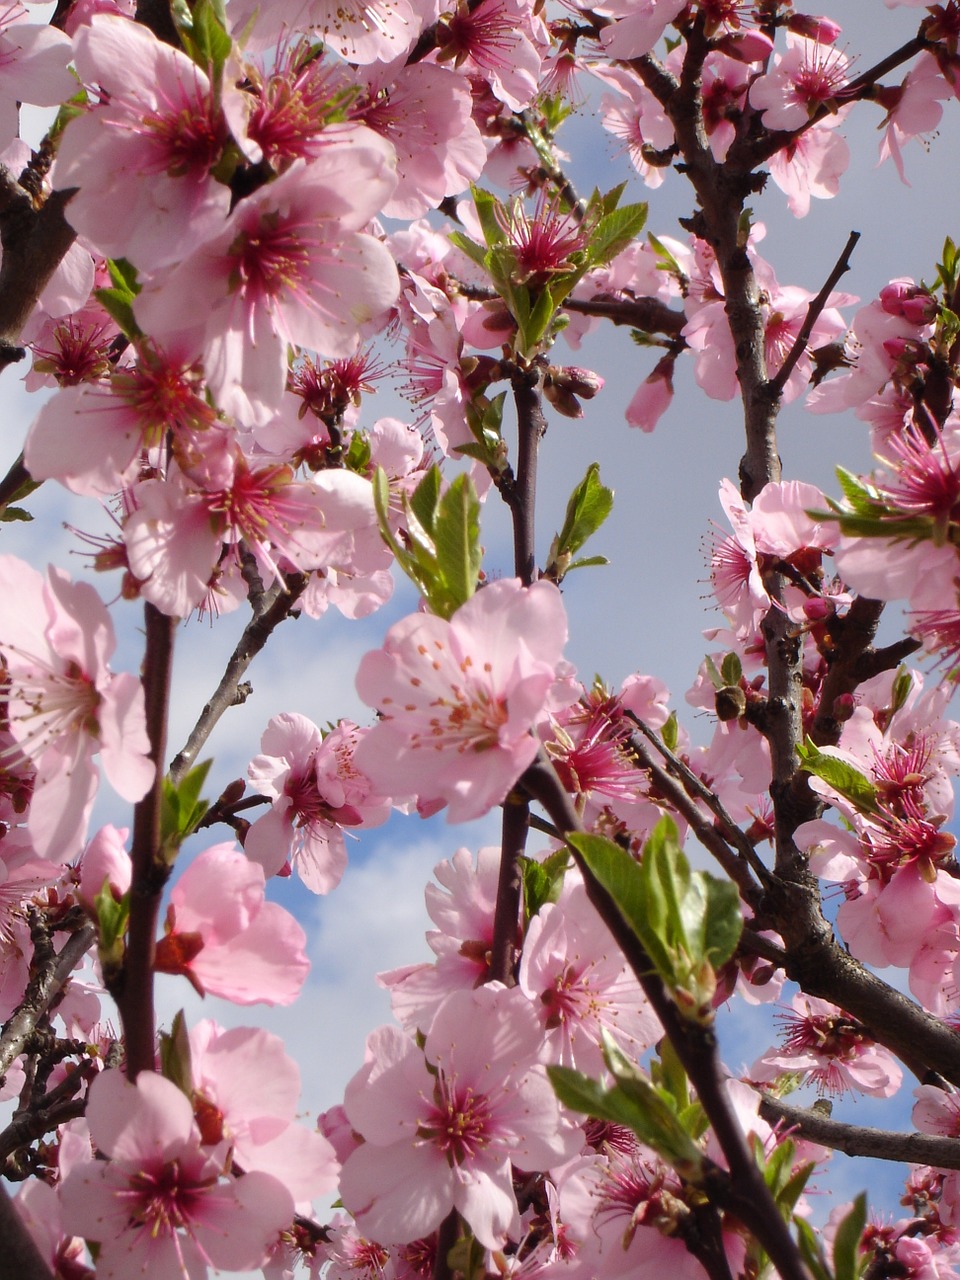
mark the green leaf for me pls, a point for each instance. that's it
(622, 878)
(587, 562)
(181, 808)
(475, 252)
(614, 232)
(202, 28)
(112, 918)
(688, 922)
(117, 300)
(457, 538)
(839, 774)
(443, 554)
(14, 514)
(665, 259)
(731, 670)
(633, 1102)
(846, 1242)
(670, 733)
(587, 508)
(536, 324)
(175, 1058)
(542, 881)
(811, 1250)
(862, 497)
(488, 207)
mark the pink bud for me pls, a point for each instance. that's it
(904, 298)
(816, 609)
(805, 24)
(104, 860)
(746, 46)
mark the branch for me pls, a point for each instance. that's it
(34, 241)
(681, 797)
(133, 987)
(506, 919)
(20, 1259)
(43, 989)
(522, 498)
(650, 315)
(814, 310)
(852, 1140)
(743, 1192)
(277, 604)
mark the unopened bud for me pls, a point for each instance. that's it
(825, 30)
(843, 706)
(904, 298)
(745, 46)
(816, 609)
(580, 382)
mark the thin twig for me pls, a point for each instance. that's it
(853, 1140)
(43, 989)
(814, 310)
(278, 603)
(649, 315)
(695, 787)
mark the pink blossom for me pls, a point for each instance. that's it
(638, 25)
(441, 1126)
(497, 42)
(222, 934)
(425, 111)
(279, 272)
(64, 703)
(158, 1204)
(808, 75)
(246, 1090)
(104, 863)
(581, 986)
(831, 1050)
(316, 790)
(459, 699)
(142, 158)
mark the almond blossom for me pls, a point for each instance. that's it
(458, 699)
(64, 703)
(290, 265)
(226, 939)
(151, 141)
(442, 1125)
(316, 790)
(159, 1205)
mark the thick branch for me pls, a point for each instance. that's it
(506, 920)
(277, 605)
(134, 986)
(852, 1140)
(20, 1259)
(34, 242)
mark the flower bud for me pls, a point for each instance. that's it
(906, 299)
(814, 28)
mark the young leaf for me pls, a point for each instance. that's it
(181, 808)
(846, 1261)
(457, 537)
(614, 232)
(839, 774)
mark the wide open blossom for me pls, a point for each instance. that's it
(64, 703)
(832, 1051)
(290, 265)
(441, 1125)
(141, 159)
(159, 1205)
(458, 699)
